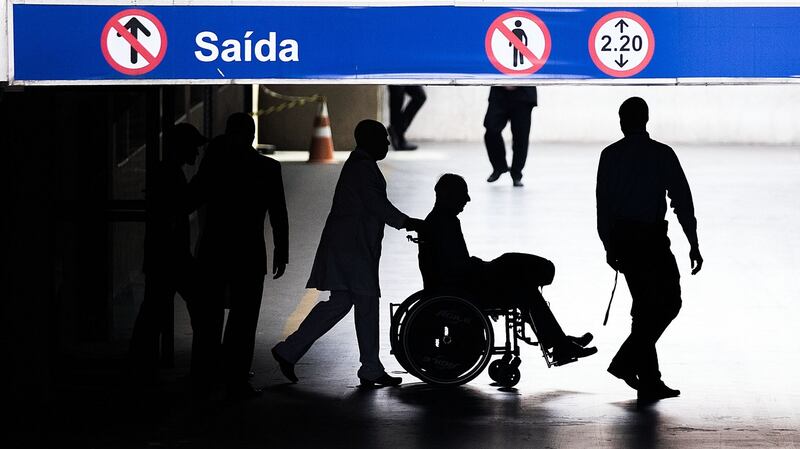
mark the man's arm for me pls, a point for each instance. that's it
(279, 221)
(602, 195)
(377, 203)
(680, 196)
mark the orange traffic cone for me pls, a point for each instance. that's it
(322, 140)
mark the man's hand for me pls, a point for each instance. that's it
(278, 269)
(696, 258)
(413, 224)
(611, 260)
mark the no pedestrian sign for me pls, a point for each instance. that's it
(134, 42)
(518, 43)
(621, 44)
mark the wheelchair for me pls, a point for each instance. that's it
(448, 340)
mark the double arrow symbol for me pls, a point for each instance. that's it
(621, 25)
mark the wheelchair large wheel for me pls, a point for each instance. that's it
(397, 326)
(446, 340)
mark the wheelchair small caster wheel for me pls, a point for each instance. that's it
(495, 368)
(509, 376)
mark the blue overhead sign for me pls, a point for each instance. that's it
(432, 44)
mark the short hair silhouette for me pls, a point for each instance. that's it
(183, 134)
(633, 114)
(368, 133)
(240, 124)
(449, 184)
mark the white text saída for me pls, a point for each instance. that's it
(247, 50)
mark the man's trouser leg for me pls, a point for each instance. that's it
(396, 98)
(494, 122)
(207, 320)
(240, 331)
(520, 133)
(367, 309)
(517, 278)
(654, 282)
(418, 97)
(319, 321)
(145, 341)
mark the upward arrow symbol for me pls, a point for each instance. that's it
(134, 26)
(621, 24)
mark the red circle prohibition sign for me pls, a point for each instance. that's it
(651, 44)
(498, 25)
(152, 60)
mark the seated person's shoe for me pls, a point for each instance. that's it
(287, 368)
(494, 176)
(629, 378)
(244, 390)
(384, 380)
(656, 391)
(583, 340)
(570, 352)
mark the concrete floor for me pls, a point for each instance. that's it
(733, 350)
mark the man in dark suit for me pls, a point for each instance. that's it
(239, 187)
(346, 263)
(168, 261)
(634, 177)
(508, 104)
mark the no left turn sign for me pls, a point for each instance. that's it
(518, 43)
(134, 42)
(621, 44)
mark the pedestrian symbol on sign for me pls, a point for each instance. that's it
(518, 43)
(134, 42)
(621, 44)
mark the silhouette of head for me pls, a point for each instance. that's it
(518, 23)
(181, 143)
(371, 136)
(451, 192)
(633, 115)
(240, 128)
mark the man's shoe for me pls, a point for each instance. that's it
(628, 378)
(518, 182)
(494, 176)
(583, 340)
(656, 391)
(571, 352)
(287, 368)
(240, 391)
(384, 380)
(405, 146)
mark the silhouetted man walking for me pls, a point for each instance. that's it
(508, 104)
(168, 262)
(238, 186)
(400, 118)
(347, 258)
(633, 177)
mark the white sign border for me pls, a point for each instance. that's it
(4, 43)
(454, 79)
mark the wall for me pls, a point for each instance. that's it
(768, 114)
(291, 129)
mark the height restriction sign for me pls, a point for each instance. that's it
(133, 42)
(518, 43)
(621, 44)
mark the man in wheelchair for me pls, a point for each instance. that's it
(512, 280)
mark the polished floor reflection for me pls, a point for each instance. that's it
(733, 351)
